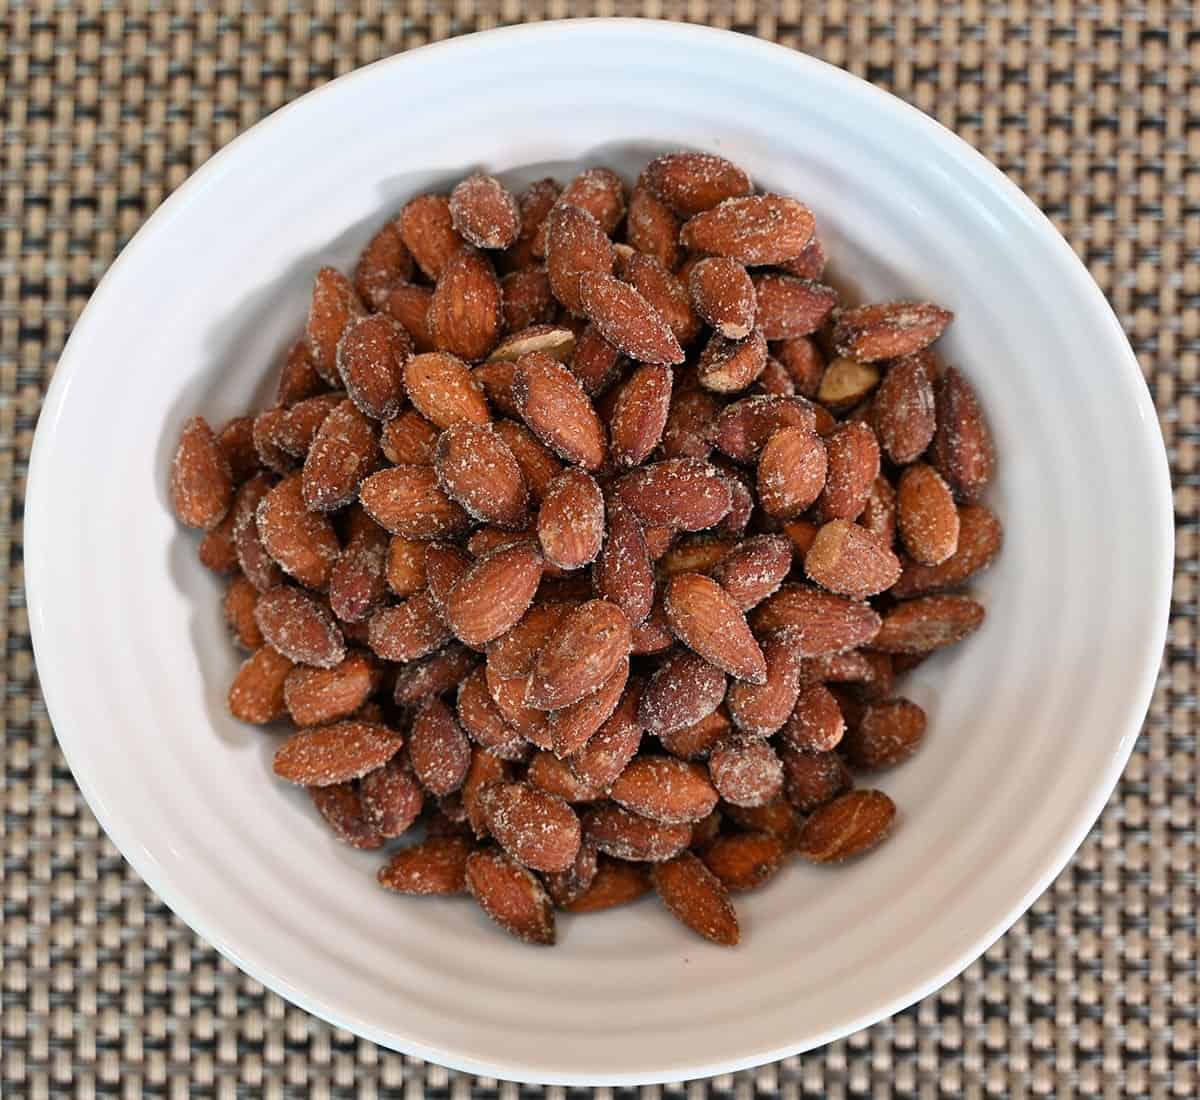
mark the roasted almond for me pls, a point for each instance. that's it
(573, 725)
(730, 366)
(484, 212)
(682, 493)
(299, 378)
(651, 227)
(888, 733)
(370, 363)
(217, 550)
(303, 543)
(493, 594)
(441, 388)
(812, 779)
(405, 569)
(848, 826)
(464, 315)
(335, 754)
(565, 886)
(690, 183)
(343, 453)
(816, 622)
(236, 442)
(928, 623)
(803, 361)
(849, 560)
(761, 709)
(905, 414)
(433, 675)
(816, 723)
(299, 627)
(358, 582)
(438, 749)
(962, 450)
(427, 227)
(888, 330)
(256, 694)
(534, 203)
(555, 340)
(684, 690)
(626, 320)
(690, 416)
(753, 229)
(340, 806)
(665, 789)
(591, 642)
(510, 895)
(745, 771)
(407, 630)
(409, 440)
(743, 427)
(724, 296)
(810, 264)
(622, 834)
(926, 515)
(553, 775)
(201, 479)
(609, 750)
(754, 569)
(267, 432)
(435, 866)
(666, 294)
(879, 513)
(979, 539)
(409, 304)
(486, 768)
(789, 307)
(552, 402)
(391, 797)
(334, 303)
(791, 472)
(575, 244)
(696, 741)
(538, 829)
(695, 554)
(526, 301)
(703, 616)
(314, 696)
(476, 468)
(846, 382)
(240, 599)
(384, 262)
(745, 861)
(514, 652)
(483, 722)
(601, 193)
(697, 898)
(640, 414)
(852, 454)
(614, 883)
(570, 521)
(538, 465)
(407, 500)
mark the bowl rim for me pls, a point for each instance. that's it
(1158, 587)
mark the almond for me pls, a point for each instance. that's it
(888, 733)
(803, 361)
(622, 834)
(384, 262)
(407, 630)
(848, 826)
(358, 582)
(493, 594)
(464, 314)
(695, 742)
(791, 472)
(744, 427)
(236, 442)
(682, 493)
(754, 230)
(484, 212)
(483, 722)
(695, 554)
(600, 192)
(240, 599)
(438, 748)
(810, 264)
(651, 227)
(336, 753)
(340, 806)
(928, 623)
(538, 465)
(303, 543)
(624, 573)
(615, 883)
(299, 378)
(256, 694)
(526, 301)
(625, 319)
(514, 652)
(298, 626)
(777, 819)
(535, 202)
(800, 534)
(258, 566)
(427, 227)
(201, 480)
(295, 433)
(776, 380)
(370, 363)
(591, 642)
(745, 861)
(682, 692)
(570, 521)
(745, 771)
(476, 468)
(741, 506)
(405, 568)
(926, 515)
(696, 897)
(595, 362)
(845, 383)
(789, 307)
(816, 723)
(754, 569)
(730, 366)
(485, 770)
(554, 776)
(979, 539)
(888, 330)
(812, 779)
(962, 449)
(406, 500)
(665, 789)
(409, 440)
(666, 294)
(573, 725)
(435, 866)
(761, 709)
(433, 675)
(690, 183)
(609, 749)
(816, 622)
(724, 296)
(538, 829)
(268, 431)
(343, 453)
(879, 513)
(703, 617)
(409, 304)
(852, 454)
(689, 420)
(216, 550)
(553, 404)
(511, 896)
(441, 388)
(575, 244)
(314, 696)
(905, 415)
(847, 559)
(334, 304)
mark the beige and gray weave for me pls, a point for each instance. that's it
(1093, 108)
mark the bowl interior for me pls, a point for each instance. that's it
(1030, 722)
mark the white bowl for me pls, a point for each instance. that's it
(1031, 721)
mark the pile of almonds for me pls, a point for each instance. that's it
(589, 532)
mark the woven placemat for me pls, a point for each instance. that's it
(1093, 109)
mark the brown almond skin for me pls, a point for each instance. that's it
(690, 183)
(407, 500)
(848, 826)
(622, 834)
(744, 861)
(334, 303)
(409, 440)
(789, 307)
(340, 806)
(697, 898)
(537, 462)
(700, 553)
(427, 227)
(652, 227)
(811, 779)
(754, 229)
(239, 602)
(370, 363)
(905, 413)
(791, 472)
(624, 573)
(888, 733)
(724, 296)
(696, 741)
(852, 454)
(511, 896)
(538, 829)
(601, 193)
(493, 593)
(481, 718)
(979, 538)
(596, 362)
(640, 414)
(743, 427)
(409, 304)
(730, 366)
(437, 866)
(761, 709)
(847, 559)
(926, 515)
(484, 212)
(335, 754)
(879, 513)
(689, 419)
(358, 582)
(816, 723)
(476, 468)
(442, 390)
(405, 567)
(271, 429)
(257, 692)
(216, 550)
(777, 819)
(408, 630)
(803, 361)
(572, 726)
(384, 262)
(526, 299)
(614, 883)
(549, 773)
(392, 798)
(438, 749)
(343, 453)
(591, 642)
(845, 384)
(816, 622)
(962, 449)
(435, 674)
(683, 691)
(665, 789)
(315, 696)
(201, 478)
(514, 652)
(609, 749)
(682, 493)
(888, 330)
(298, 378)
(535, 202)
(565, 886)
(667, 295)
(465, 317)
(575, 244)
(557, 341)
(928, 623)
(745, 771)
(570, 521)
(299, 627)
(552, 402)
(754, 569)
(303, 543)
(703, 617)
(626, 320)
(236, 442)
(486, 768)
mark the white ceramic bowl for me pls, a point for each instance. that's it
(1031, 722)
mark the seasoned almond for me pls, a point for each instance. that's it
(724, 296)
(622, 834)
(217, 550)
(691, 183)
(477, 469)
(258, 566)
(745, 861)
(888, 733)
(591, 642)
(789, 307)
(314, 696)
(624, 573)
(514, 652)
(438, 748)
(555, 340)
(695, 742)
(573, 725)
(754, 229)
(665, 789)
(340, 806)
(554, 776)
(848, 826)
(615, 883)
(538, 465)
(295, 433)
(626, 320)
(962, 449)
(236, 443)
(928, 623)
(849, 560)
(651, 227)
(299, 378)
(776, 380)
(484, 212)
(640, 414)
(240, 599)
(391, 797)
(846, 382)
(384, 262)
(334, 304)
(777, 819)
(888, 330)
(803, 361)
(299, 627)
(683, 691)
(464, 315)
(268, 431)
(407, 630)
(441, 388)
(406, 500)
(570, 521)
(791, 472)
(435, 674)
(689, 422)
(486, 769)
(743, 428)
(483, 722)
(800, 534)
(493, 594)
(979, 539)
(409, 304)
(852, 454)
(745, 771)
(511, 896)
(409, 440)
(761, 709)
(535, 202)
(303, 543)
(812, 779)
(600, 192)
(575, 244)
(754, 569)
(810, 264)
(526, 301)
(201, 480)
(256, 694)
(697, 898)
(816, 723)
(905, 414)
(730, 366)
(665, 293)
(370, 363)
(695, 554)
(926, 515)
(405, 569)
(437, 866)
(595, 362)
(879, 513)
(682, 493)
(343, 453)
(816, 622)
(358, 583)
(427, 227)
(553, 404)
(703, 616)
(336, 753)
(538, 829)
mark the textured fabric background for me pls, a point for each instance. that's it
(1093, 108)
